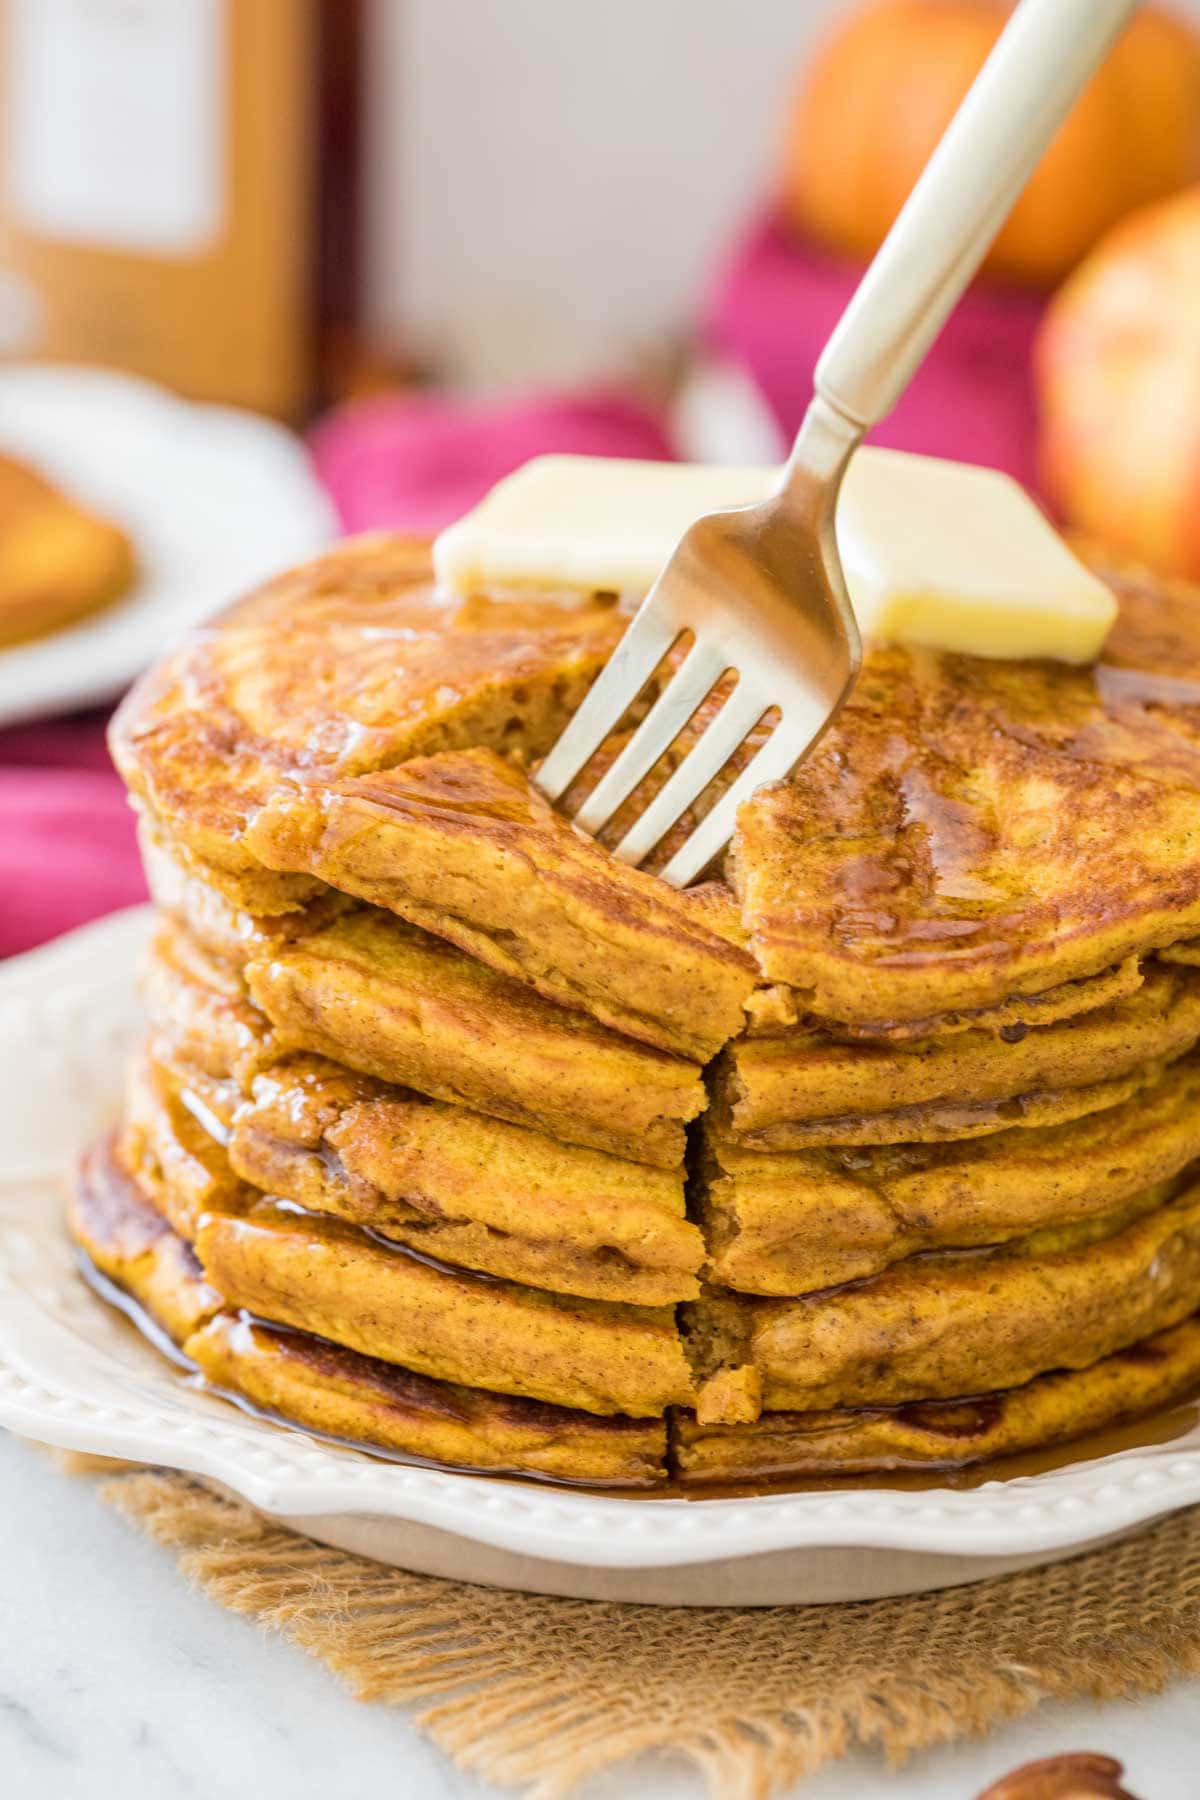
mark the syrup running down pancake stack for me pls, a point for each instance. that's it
(454, 1136)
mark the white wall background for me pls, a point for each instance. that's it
(553, 177)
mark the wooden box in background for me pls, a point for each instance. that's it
(178, 187)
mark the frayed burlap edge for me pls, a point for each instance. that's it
(537, 1693)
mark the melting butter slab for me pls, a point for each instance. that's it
(939, 554)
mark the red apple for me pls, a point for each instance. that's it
(1118, 371)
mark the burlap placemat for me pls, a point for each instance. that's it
(537, 1694)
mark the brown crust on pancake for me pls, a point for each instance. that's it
(346, 665)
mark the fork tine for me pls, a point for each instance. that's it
(645, 643)
(712, 750)
(778, 756)
(700, 672)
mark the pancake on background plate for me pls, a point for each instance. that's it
(59, 562)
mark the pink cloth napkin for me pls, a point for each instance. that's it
(775, 302)
(67, 850)
(416, 464)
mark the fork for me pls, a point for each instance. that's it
(760, 588)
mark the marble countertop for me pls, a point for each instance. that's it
(115, 1678)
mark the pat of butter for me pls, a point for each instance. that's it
(935, 553)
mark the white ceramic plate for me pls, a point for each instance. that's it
(215, 500)
(73, 1373)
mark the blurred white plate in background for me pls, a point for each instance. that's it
(215, 500)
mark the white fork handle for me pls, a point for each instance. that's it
(1048, 51)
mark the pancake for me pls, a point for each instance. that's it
(954, 1323)
(334, 1391)
(188, 893)
(932, 1436)
(464, 846)
(467, 1189)
(172, 1153)
(804, 1087)
(200, 1015)
(455, 1185)
(773, 1011)
(391, 1001)
(349, 664)
(320, 1275)
(127, 1238)
(792, 1224)
(973, 829)
(925, 862)
(324, 1388)
(59, 562)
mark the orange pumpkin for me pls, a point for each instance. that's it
(884, 87)
(1118, 368)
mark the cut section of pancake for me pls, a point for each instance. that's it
(465, 1188)
(791, 1224)
(804, 1087)
(955, 1323)
(323, 1388)
(972, 829)
(349, 664)
(463, 845)
(391, 1001)
(329, 1278)
(59, 562)
(948, 1434)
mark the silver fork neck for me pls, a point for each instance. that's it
(824, 444)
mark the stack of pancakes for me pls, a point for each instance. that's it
(454, 1136)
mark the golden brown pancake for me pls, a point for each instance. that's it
(452, 1184)
(804, 1087)
(927, 860)
(349, 664)
(187, 894)
(169, 1148)
(128, 1239)
(772, 1011)
(956, 1323)
(945, 1434)
(324, 1388)
(950, 1149)
(319, 1275)
(790, 1224)
(972, 829)
(465, 1188)
(327, 1389)
(391, 1001)
(386, 999)
(464, 846)
(58, 562)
